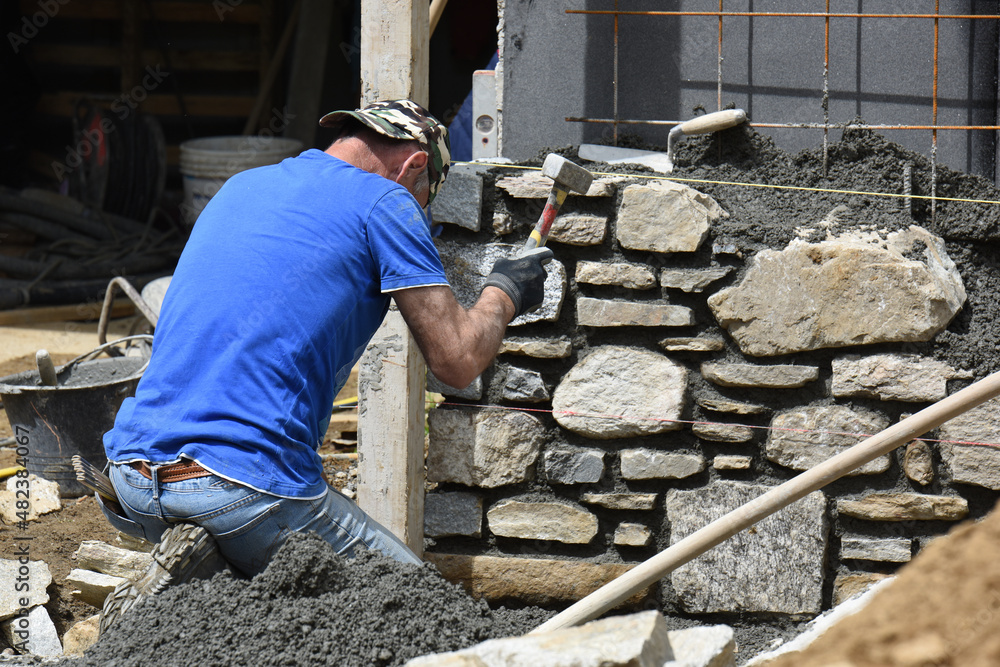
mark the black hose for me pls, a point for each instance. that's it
(76, 270)
(17, 293)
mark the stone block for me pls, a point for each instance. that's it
(973, 464)
(664, 216)
(540, 348)
(905, 507)
(115, 561)
(692, 280)
(802, 439)
(467, 267)
(892, 377)
(13, 601)
(847, 586)
(605, 383)
(736, 407)
(722, 432)
(525, 386)
(776, 568)
(532, 581)
(564, 464)
(891, 550)
(706, 646)
(533, 185)
(542, 521)
(621, 501)
(693, 344)
(579, 229)
(460, 200)
(92, 587)
(452, 513)
(632, 276)
(609, 313)
(732, 462)
(487, 448)
(82, 635)
(842, 292)
(632, 535)
(43, 498)
(35, 631)
(473, 392)
(638, 640)
(918, 462)
(778, 376)
(653, 464)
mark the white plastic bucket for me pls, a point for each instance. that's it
(207, 163)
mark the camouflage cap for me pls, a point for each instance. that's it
(403, 119)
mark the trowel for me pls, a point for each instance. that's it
(664, 162)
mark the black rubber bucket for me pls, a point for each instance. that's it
(56, 422)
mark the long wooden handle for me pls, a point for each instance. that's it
(713, 122)
(743, 517)
(437, 9)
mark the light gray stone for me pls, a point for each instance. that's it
(663, 216)
(460, 199)
(115, 561)
(803, 438)
(467, 267)
(632, 535)
(92, 587)
(653, 464)
(692, 280)
(610, 313)
(973, 464)
(732, 462)
(883, 550)
(693, 344)
(540, 348)
(34, 573)
(891, 377)
(453, 513)
(736, 407)
(43, 498)
(778, 376)
(533, 185)
(776, 567)
(905, 507)
(918, 462)
(722, 432)
(542, 521)
(35, 631)
(487, 448)
(846, 291)
(525, 386)
(637, 640)
(503, 223)
(579, 229)
(623, 403)
(565, 464)
(621, 501)
(473, 392)
(706, 646)
(632, 276)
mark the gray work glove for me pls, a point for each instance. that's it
(522, 278)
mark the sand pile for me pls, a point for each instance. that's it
(309, 607)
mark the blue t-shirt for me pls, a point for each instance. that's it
(279, 289)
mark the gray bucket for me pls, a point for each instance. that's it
(56, 422)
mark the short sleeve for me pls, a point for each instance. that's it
(401, 245)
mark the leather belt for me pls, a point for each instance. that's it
(175, 472)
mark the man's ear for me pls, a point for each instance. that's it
(412, 167)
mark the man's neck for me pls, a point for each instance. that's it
(357, 153)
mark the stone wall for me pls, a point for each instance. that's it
(671, 376)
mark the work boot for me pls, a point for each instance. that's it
(185, 552)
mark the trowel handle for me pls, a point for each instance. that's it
(713, 122)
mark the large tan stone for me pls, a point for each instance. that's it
(846, 291)
(905, 507)
(803, 438)
(487, 448)
(82, 635)
(778, 376)
(663, 216)
(42, 497)
(115, 561)
(977, 464)
(92, 587)
(542, 521)
(534, 581)
(633, 276)
(603, 397)
(611, 313)
(579, 229)
(533, 185)
(892, 377)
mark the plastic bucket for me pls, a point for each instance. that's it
(70, 418)
(207, 163)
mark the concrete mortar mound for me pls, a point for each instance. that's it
(309, 607)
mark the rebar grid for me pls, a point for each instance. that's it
(826, 125)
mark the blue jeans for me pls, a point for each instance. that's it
(248, 525)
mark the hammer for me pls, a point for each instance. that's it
(567, 176)
(710, 122)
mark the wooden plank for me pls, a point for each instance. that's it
(305, 88)
(77, 312)
(176, 12)
(187, 59)
(234, 106)
(395, 50)
(344, 421)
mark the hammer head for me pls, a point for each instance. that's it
(567, 175)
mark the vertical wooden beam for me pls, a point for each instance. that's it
(305, 88)
(394, 65)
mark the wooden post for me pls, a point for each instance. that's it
(394, 65)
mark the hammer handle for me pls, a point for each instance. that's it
(713, 122)
(541, 231)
